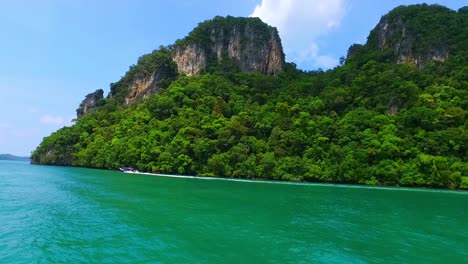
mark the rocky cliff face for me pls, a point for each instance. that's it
(245, 43)
(395, 35)
(418, 34)
(91, 101)
(191, 59)
(242, 44)
(143, 87)
(153, 72)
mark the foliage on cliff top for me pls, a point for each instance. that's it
(222, 27)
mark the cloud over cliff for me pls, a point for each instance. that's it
(300, 24)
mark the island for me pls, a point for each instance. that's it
(224, 102)
(13, 157)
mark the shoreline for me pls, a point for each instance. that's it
(303, 183)
(318, 184)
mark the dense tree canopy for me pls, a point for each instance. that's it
(370, 121)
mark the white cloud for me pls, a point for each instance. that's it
(274, 12)
(300, 23)
(52, 120)
(312, 57)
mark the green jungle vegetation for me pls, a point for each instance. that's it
(368, 121)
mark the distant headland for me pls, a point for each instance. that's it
(13, 157)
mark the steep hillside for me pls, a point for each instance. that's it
(393, 114)
(221, 44)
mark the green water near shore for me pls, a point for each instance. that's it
(74, 215)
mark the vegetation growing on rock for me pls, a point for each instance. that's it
(370, 121)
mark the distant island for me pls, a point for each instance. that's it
(13, 157)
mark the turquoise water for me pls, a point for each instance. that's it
(74, 215)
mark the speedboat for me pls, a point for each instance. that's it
(128, 170)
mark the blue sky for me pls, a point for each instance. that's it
(54, 52)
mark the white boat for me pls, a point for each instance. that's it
(128, 170)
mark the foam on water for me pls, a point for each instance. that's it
(390, 188)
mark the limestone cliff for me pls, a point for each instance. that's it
(153, 71)
(394, 34)
(247, 44)
(91, 101)
(223, 44)
(143, 87)
(417, 34)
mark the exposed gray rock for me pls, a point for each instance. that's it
(249, 43)
(408, 32)
(190, 59)
(224, 43)
(143, 87)
(394, 35)
(91, 101)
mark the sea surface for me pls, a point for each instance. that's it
(74, 215)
